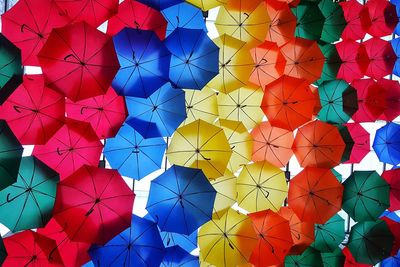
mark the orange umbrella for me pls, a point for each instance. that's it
(283, 22)
(288, 102)
(272, 144)
(315, 195)
(318, 144)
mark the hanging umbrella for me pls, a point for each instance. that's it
(309, 257)
(132, 155)
(33, 111)
(383, 17)
(235, 64)
(387, 143)
(200, 145)
(95, 213)
(354, 60)
(201, 104)
(381, 58)
(350, 261)
(329, 235)
(242, 105)
(134, 14)
(395, 230)
(357, 20)
(361, 146)
(144, 63)
(288, 102)
(365, 195)
(274, 238)
(333, 259)
(206, 5)
(138, 245)
(392, 96)
(261, 186)
(272, 144)
(392, 177)
(228, 241)
(183, 205)
(175, 256)
(159, 114)
(160, 4)
(370, 241)
(186, 242)
(78, 67)
(315, 195)
(283, 22)
(310, 20)
(334, 21)
(392, 261)
(318, 144)
(226, 194)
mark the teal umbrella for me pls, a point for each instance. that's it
(334, 23)
(309, 258)
(309, 20)
(329, 235)
(332, 62)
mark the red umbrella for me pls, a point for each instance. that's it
(394, 227)
(381, 58)
(354, 60)
(357, 18)
(78, 61)
(106, 113)
(392, 177)
(94, 214)
(133, 14)
(93, 12)
(383, 17)
(33, 111)
(361, 140)
(72, 146)
(392, 96)
(28, 25)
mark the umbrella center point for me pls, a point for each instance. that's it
(359, 193)
(296, 63)
(34, 257)
(82, 63)
(137, 64)
(197, 150)
(330, 102)
(71, 149)
(258, 186)
(98, 200)
(129, 246)
(28, 189)
(312, 193)
(187, 61)
(315, 145)
(155, 107)
(189, 107)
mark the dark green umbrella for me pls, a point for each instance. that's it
(329, 235)
(3, 252)
(309, 20)
(332, 62)
(334, 20)
(365, 195)
(10, 156)
(348, 140)
(370, 242)
(28, 203)
(309, 258)
(333, 259)
(10, 68)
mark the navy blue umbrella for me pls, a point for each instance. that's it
(387, 143)
(144, 63)
(160, 4)
(194, 59)
(181, 200)
(176, 256)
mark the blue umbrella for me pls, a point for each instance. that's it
(139, 245)
(186, 242)
(396, 48)
(159, 114)
(194, 59)
(181, 200)
(391, 215)
(144, 63)
(160, 4)
(183, 15)
(392, 261)
(387, 143)
(176, 256)
(133, 155)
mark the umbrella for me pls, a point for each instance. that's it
(381, 58)
(288, 102)
(354, 60)
(338, 100)
(235, 64)
(357, 20)
(201, 104)
(334, 22)
(392, 177)
(175, 256)
(132, 155)
(274, 238)
(206, 5)
(28, 25)
(33, 111)
(283, 22)
(333, 259)
(228, 241)
(350, 261)
(159, 114)
(134, 14)
(315, 195)
(261, 186)
(272, 144)
(318, 144)
(72, 146)
(387, 143)
(310, 257)
(361, 145)
(310, 20)
(332, 62)
(226, 194)
(304, 59)
(144, 63)
(383, 17)
(95, 213)
(242, 105)
(160, 4)
(365, 195)
(200, 145)
(392, 261)
(181, 200)
(138, 245)
(78, 61)
(186, 242)
(395, 230)
(392, 95)
(329, 235)
(370, 241)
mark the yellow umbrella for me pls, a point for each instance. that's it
(261, 186)
(200, 145)
(201, 104)
(235, 64)
(226, 194)
(242, 105)
(206, 4)
(228, 241)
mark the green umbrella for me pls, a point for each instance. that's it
(10, 156)
(334, 21)
(309, 258)
(348, 140)
(370, 242)
(333, 259)
(332, 62)
(28, 203)
(329, 235)
(10, 68)
(365, 195)
(309, 20)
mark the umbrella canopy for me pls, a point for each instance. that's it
(95, 213)
(383, 16)
(354, 60)
(329, 235)
(181, 200)
(144, 63)
(159, 114)
(357, 19)
(387, 143)
(310, 20)
(392, 261)
(186, 242)
(315, 195)
(160, 4)
(283, 22)
(392, 95)
(34, 112)
(200, 145)
(138, 245)
(175, 256)
(333, 259)
(361, 145)
(365, 195)
(228, 241)
(309, 257)
(332, 62)
(334, 22)
(226, 194)
(381, 58)
(261, 186)
(201, 104)
(392, 177)
(132, 155)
